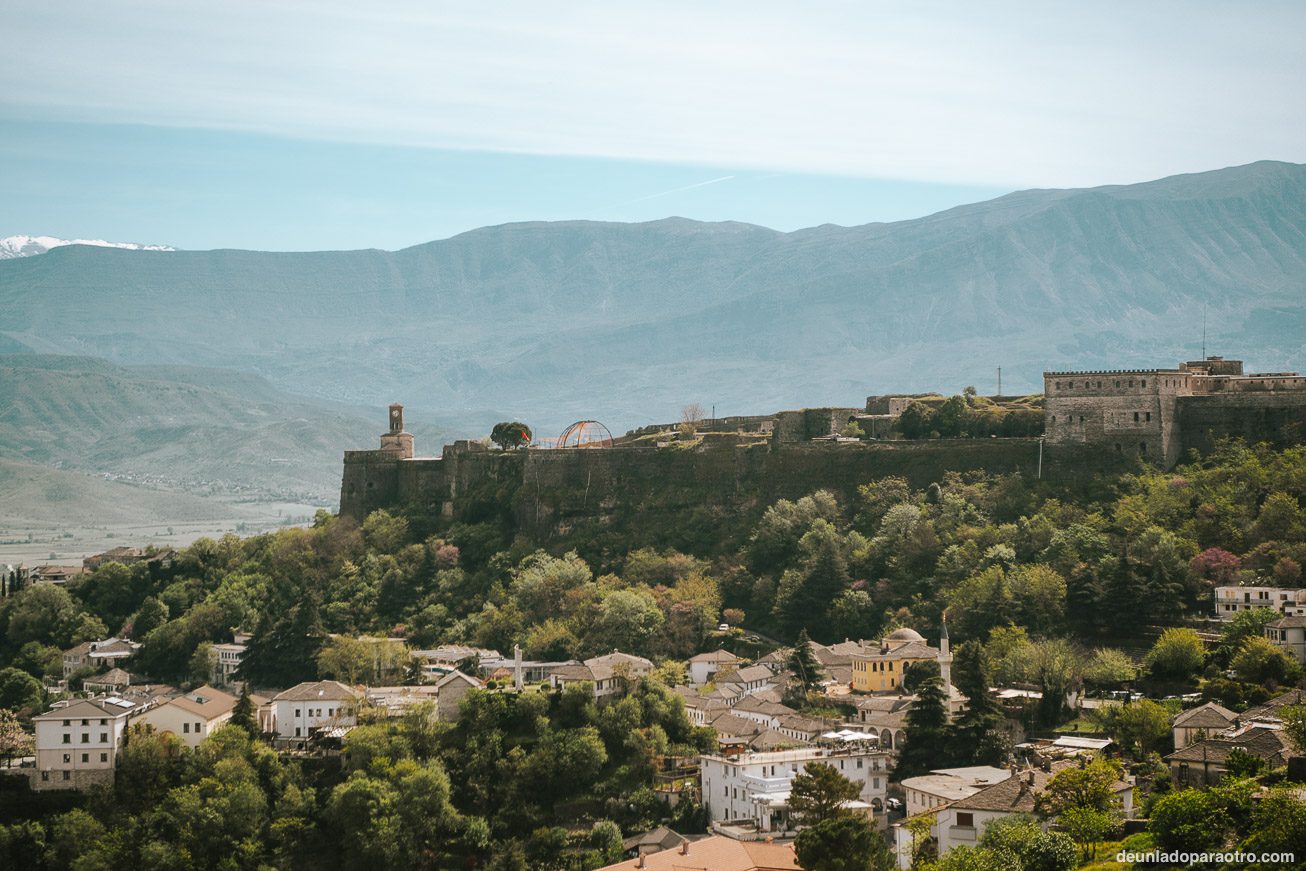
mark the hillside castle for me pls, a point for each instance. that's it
(1095, 422)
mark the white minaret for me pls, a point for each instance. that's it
(516, 667)
(945, 659)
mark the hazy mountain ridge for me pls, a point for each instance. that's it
(626, 322)
(30, 246)
(205, 432)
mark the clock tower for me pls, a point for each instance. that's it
(397, 441)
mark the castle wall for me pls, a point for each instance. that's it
(1275, 416)
(1132, 412)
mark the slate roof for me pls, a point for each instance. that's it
(1296, 621)
(1207, 716)
(747, 674)
(319, 690)
(205, 702)
(1267, 744)
(715, 656)
(757, 706)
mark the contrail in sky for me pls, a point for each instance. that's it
(688, 187)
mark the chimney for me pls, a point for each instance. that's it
(641, 863)
(684, 847)
(1029, 778)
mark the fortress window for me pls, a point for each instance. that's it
(1054, 418)
(1149, 417)
(1117, 383)
(1144, 382)
(1135, 417)
(1117, 447)
(1081, 418)
(1142, 447)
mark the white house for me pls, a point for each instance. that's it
(228, 656)
(943, 785)
(1287, 601)
(1201, 722)
(296, 713)
(753, 788)
(747, 680)
(192, 717)
(703, 666)
(1290, 634)
(962, 822)
(96, 654)
(77, 742)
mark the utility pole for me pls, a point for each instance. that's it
(1040, 458)
(999, 382)
(1203, 331)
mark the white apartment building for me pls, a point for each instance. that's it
(299, 711)
(753, 788)
(227, 658)
(1230, 600)
(77, 743)
(192, 717)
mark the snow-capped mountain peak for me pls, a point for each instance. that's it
(27, 246)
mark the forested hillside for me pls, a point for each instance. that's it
(1052, 590)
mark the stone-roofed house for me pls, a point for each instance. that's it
(115, 680)
(748, 679)
(77, 742)
(97, 654)
(766, 713)
(191, 717)
(622, 663)
(962, 822)
(450, 691)
(702, 667)
(1289, 633)
(944, 785)
(1202, 721)
(295, 714)
(655, 841)
(800, 728)
(1205, 762)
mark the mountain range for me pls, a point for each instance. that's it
(552, 322)
(30, 246)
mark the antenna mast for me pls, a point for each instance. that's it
(1203, 331)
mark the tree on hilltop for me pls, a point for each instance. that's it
(511, 435)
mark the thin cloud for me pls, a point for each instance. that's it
(688, 187)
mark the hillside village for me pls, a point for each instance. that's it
(927, 671)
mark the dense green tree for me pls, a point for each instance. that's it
(977, 735)
(1178, 654)
(1139, 727)
(1090, 786)
(19, 691)
(842, 844)
(806, 594)
(42, 612)
(1260, 660)
(804, 665)
(284, 648)
(817, 793)
(1036, 850)
(1189, 819)
(511, 435)
(928, 732)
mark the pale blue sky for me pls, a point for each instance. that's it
(328, 124)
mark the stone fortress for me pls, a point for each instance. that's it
(1162, 413)
(1095, 422)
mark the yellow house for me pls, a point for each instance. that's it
(880, 670)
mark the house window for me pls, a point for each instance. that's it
(296, 712)
(965, 819)
(104, 737)
(67, 722)
(86, 738)
(67, 775)
(67, 739)
(67, 758)
(185, 728)
(86, 757)
(296, 731)
(104, 757)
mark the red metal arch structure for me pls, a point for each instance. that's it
(585, 434)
